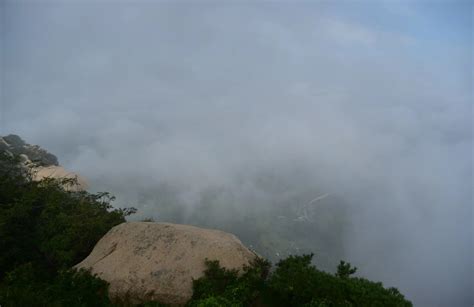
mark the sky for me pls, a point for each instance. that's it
(368, 101)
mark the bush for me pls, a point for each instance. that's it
(24, 286)
(229, 288)
(45, 230)
(294, 282)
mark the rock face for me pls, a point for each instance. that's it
(41, 163)
(158, 261)
(15, 145)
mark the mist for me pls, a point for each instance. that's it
(237, 116)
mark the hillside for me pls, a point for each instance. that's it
(42, 163)
(46, 229)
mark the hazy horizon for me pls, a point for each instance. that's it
(247, 108)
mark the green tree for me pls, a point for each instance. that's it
(44, 231)
(229, 287)
(294, 282)
(344, 269)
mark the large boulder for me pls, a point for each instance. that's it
(145, 261)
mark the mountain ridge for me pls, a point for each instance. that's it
(42, 163)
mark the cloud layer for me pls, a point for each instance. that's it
(350, 100)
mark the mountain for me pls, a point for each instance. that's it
(47, 232)
(42, 163)
(15, 145)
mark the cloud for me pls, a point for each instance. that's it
(348, 33)
(234, 115)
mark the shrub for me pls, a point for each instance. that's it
(24, 286)
(44, 230)
(229, 288)
(294, 282)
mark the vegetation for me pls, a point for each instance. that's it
(294, 282)
(222, 287)
(45, 230)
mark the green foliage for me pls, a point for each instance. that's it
(215, 301)
(345, 270)
(222, 287)
(24, 286)
(45, 230)
(294, 282)
(216, 280)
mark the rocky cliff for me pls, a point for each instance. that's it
(145, 261)
(41, 163)
(15, 145)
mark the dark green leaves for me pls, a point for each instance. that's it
(45, 230)
(294, 282)
(345, 270)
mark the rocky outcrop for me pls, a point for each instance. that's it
(145, 261)
(15, 145)
(40, 162)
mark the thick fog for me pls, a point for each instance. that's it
(344, 129)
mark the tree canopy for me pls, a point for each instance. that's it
(44, 231)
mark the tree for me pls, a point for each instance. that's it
(294, 282)
(44, 231)
(344, 270)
